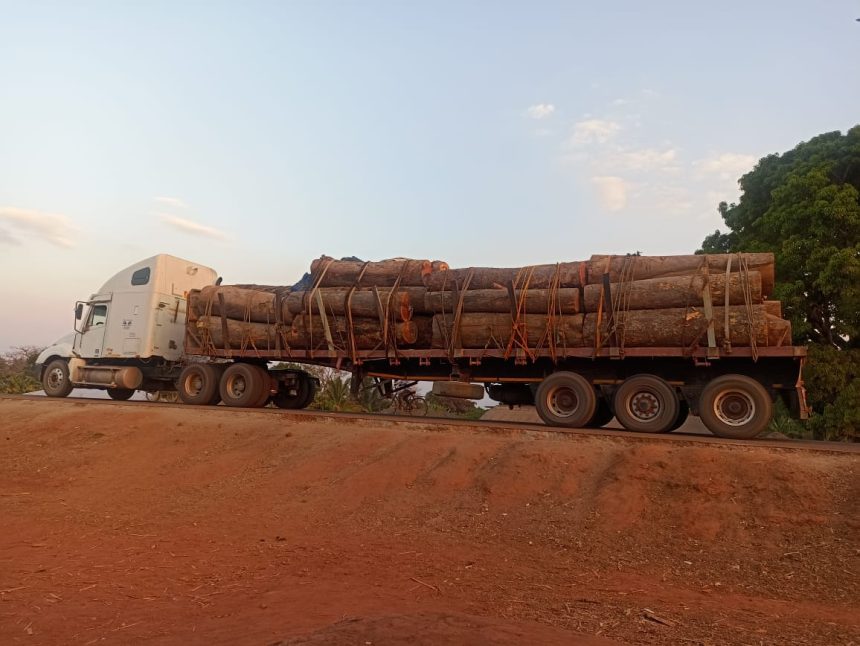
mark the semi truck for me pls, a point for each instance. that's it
(138, 333)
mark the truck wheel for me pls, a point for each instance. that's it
(265, 387)
(566, 399)
(305, 391)
(735, 406)
(602, 415)
(198, 384)
(241, 385)
(646, 404)
(55, 379)
(120, 394)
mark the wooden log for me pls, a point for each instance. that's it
(774, 308)
(662, 266)
(239, 334)
(675, 291)
(491, 330)
(499, 301)
(240, 304)
(536, 277)
(384, 273)
(368, 333)
(681, 327)
(363, 302)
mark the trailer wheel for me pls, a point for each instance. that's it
(198, 384)
(735, 406)
(602, 415)
(241, 385)
(683, 414)
(55, 379)
(566, 399)
(646, 404)
(306, 389)
(120, 394)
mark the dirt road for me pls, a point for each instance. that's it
(127, 523)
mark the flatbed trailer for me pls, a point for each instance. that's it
(649, 389)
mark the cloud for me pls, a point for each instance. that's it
(594, 131)
(611, 192)
(644, 159)
(53, 228)
(174, 202)
(189, 226)
(728, 166)
(540, 111)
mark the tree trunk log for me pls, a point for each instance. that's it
(498, 300)
(680, 327)
(239, 334)
(493, 331)
(538, 277)
(345, 273)
(363, 302)
(675, 291)
(662, 266)
(367, 331)
(239, 304)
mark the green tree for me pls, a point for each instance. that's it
(804, 206)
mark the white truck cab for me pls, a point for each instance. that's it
(129, 334)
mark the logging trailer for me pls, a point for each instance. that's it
(139, 332)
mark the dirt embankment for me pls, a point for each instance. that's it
(141, 524)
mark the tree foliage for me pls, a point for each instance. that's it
(14, 367)
(804, 206)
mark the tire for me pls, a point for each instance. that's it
(683, 414)
(736, 407)
(265, 388)
(198, 384)
(120, 394)
(646, 404)
(566, 399)
(241, 385)
(305, 392)
(55, 379)
(602, 415)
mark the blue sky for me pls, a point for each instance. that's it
(255, 138)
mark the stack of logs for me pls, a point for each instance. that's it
(607, 301)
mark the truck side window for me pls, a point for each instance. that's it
(98, 315)
(140, 277)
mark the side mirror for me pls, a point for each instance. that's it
(79, 311)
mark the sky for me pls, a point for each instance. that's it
(254, 137)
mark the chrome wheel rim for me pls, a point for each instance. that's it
(56, 378)
(734, 407)
(562, 401)
(193, 385)
(236, 386)
(644, 405)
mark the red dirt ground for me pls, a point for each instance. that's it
(134, 523)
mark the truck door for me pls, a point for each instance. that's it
(92, 335)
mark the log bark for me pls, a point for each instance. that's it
(675, 291)
(368, 333)
(240, 303)
(239, 334)
(489, 330)
(680, 327)
(498, 300)
(363, 302)
(538, 277)
(662, 266)
(384, 273)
